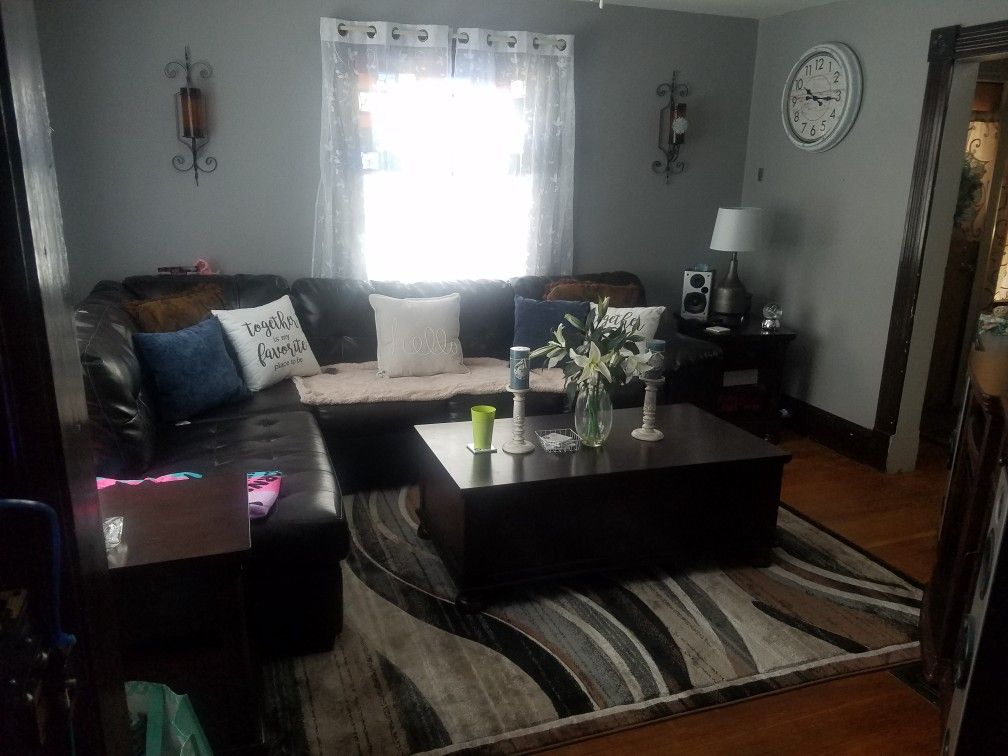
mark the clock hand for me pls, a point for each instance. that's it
(811, 96)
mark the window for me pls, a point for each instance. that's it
(445, 192)
(444, 155)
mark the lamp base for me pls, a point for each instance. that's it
(730, 298)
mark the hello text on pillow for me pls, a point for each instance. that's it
(417, 337)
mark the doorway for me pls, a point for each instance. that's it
(955, 54)
(975, 282)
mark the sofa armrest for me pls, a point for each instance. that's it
(693, 367)
(685, 351)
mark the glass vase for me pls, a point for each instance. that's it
(593, 414)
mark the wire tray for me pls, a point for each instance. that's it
(559, 440)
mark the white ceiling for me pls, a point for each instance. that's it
(743, 8)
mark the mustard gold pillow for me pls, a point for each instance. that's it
(174, 312)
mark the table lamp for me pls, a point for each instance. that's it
(737, 229)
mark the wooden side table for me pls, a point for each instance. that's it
(180, 590)
(754, 374)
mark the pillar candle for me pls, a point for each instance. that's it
(519, 368)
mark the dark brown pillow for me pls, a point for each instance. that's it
(589, 291)
(176, 311)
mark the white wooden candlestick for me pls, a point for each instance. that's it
(518, 444)
(648, 432)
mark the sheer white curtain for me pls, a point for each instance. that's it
(537, 74)
(426, 175)
(383, 91)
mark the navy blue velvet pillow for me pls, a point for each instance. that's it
(535, 322)
(191, 368)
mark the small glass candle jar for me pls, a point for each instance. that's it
(519, 368)
(657, 349)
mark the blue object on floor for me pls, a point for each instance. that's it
(30, 559)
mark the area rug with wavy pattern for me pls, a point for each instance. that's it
(559, 661)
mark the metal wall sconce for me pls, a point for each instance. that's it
(190, 117)
(672, 125)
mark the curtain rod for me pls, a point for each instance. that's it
(344, 26)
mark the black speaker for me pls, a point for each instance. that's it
(696, 293)
(976, 722)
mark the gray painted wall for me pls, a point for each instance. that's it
(126, 210)
(839, 214)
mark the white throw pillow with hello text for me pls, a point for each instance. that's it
(268, 342)
(649, 318)
(417, 336)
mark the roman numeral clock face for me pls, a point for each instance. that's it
(821, 97)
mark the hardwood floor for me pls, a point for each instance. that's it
(896, 518)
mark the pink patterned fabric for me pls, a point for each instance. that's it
(263, 487)
(169, 478)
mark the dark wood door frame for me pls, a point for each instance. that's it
(949, 45)
(45, 451)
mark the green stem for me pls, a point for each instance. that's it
(593, 409)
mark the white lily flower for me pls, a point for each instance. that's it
(591, 364)
(558, 335)
(636, 364)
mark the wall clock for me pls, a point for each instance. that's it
(821, 97)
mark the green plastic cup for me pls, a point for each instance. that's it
(483, 419)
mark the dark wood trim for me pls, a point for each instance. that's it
(983, 41)
(45, 443)
(947, 46)
(936, 95)
(850, 439)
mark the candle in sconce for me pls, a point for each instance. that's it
(657, 348)
(519, 368)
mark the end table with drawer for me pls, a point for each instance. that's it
(179, 581)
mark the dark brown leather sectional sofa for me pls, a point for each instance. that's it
(295, 594)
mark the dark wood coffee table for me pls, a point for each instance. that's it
(707, 490)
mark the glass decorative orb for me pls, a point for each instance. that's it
(771, 316)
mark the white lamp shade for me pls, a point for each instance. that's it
(738, 229)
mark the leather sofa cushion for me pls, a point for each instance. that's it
(378, 418)
(122, 416)
(173, 312)
(280, 397)
(680, 350)
(239, 290)
(340, 324)
(307, 526)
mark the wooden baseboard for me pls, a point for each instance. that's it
(850, 439)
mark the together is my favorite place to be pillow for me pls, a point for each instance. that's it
(268, 343)
(535, 322)
(176, 311)
(649, 318)
(191, 368)
(417, 337)
(589, 291)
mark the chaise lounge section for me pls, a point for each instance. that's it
(295, 589)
